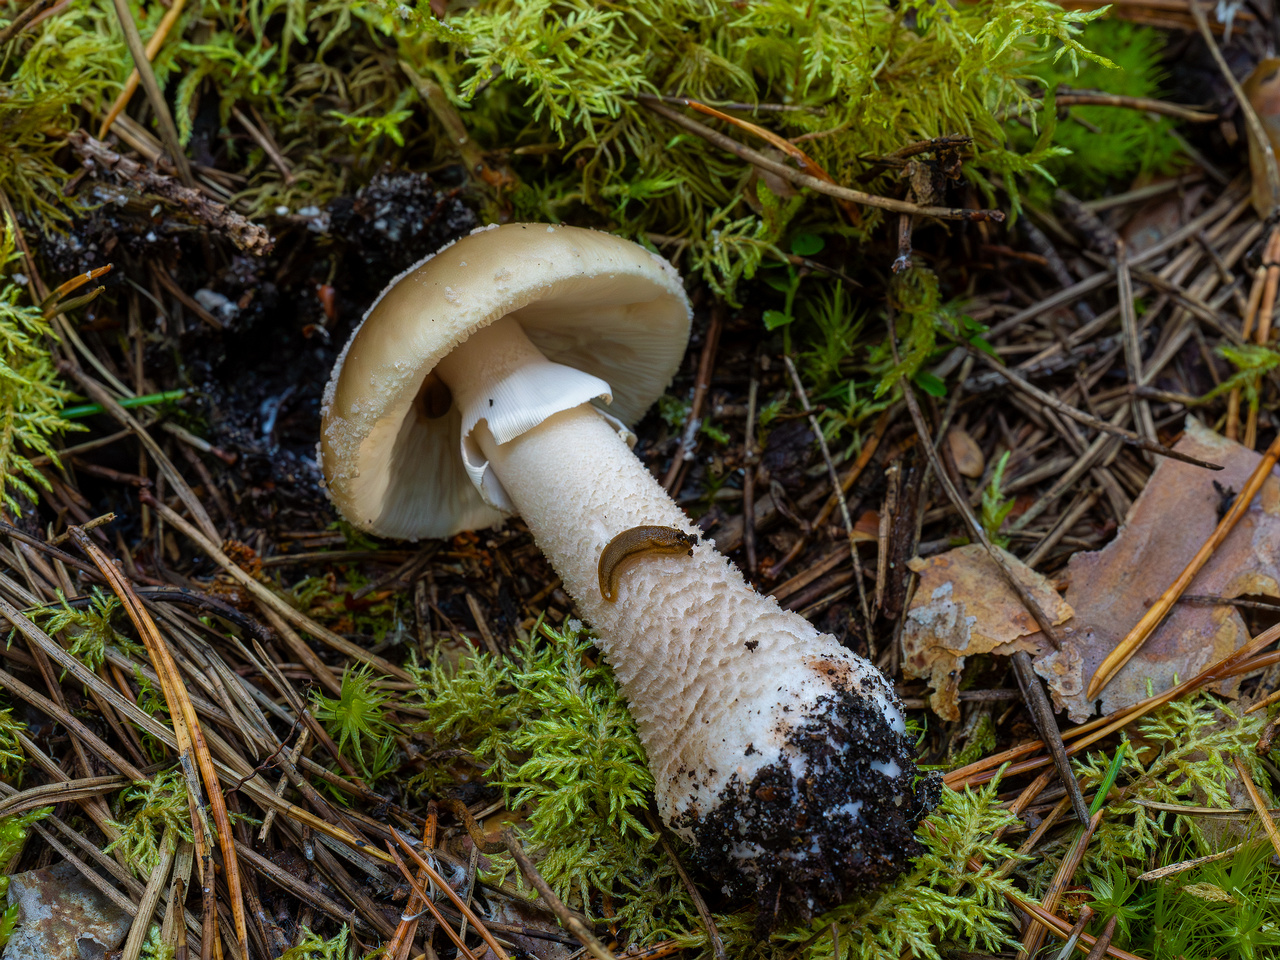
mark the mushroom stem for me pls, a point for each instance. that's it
(781, 755)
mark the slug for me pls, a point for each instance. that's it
(633, 543)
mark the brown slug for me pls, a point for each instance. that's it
(634, 542)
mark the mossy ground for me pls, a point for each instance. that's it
(357, 99)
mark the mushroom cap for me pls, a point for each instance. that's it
(586, 299)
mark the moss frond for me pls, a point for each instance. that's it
(31, 396)
(145, 811)
(12, 759)
(89, 629)
(314, 947)
(356, 719)
(863, 78)
(552, 724)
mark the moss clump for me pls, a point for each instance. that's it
(313, 947)
(89, 629)
(558, 79)
(147, 811)
(553, 728)
(1107, 145)
(31, 395)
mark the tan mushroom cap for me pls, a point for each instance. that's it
(586, 299)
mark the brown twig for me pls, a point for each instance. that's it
(186, 725)
(159, 106)
(452, 894)
(1103, 943)
(708, 921)
(269, 146)
(246, 234)
(1242, 660)
(706, 364)
(804, 180)
(153, 47)
(1037, 701)
(1259, 804)
(1128, 436)
(1257, 131)
(263, 593)
(23, 19)
(838, 490)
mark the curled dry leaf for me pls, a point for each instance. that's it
(966, 453)
(963, 606)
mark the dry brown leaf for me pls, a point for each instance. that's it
(963, 606)
(1110, 589)
(1262, 87)
(966, 453)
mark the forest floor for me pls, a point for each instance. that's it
(252, 728)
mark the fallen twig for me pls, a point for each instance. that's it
(246, 234)
(805, 180)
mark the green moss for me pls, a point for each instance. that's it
(89, 629)
(863, 78)
(145, 811)
(12, 759)
(31, 395)
(553, 728)
(313, 947)
(1109, 145)
(46, 73)
(355, 719)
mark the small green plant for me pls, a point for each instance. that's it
(922, 317)
(145, 811)
(995, 506)
(356, 719)
(314, 947)
(1189, 746)
(153, 948)
(1252, 363)
(12, 759)
(89, 629)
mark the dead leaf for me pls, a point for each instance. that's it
(963, 606)
(1262, 87)
(966, 453)
(1110, 589)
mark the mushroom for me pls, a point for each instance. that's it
(495, 378)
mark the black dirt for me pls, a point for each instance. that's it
(395, 221)
(814, 851)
